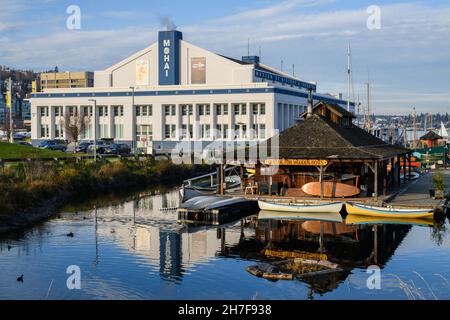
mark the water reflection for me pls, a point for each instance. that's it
(136, 249)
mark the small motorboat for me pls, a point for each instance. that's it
(332, 207)
(385, 212)
(354, 219)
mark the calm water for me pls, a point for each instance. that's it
(133, 250)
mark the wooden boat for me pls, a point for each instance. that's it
(301, 216)
(296, 208)
(331, 189)
(384, 212)
(354, 219)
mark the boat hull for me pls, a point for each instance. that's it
(300, 216)
(383, 212)
(331, 189)
(297, 208)
(354, 219)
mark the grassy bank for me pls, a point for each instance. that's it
(14, 151)
(34, 184)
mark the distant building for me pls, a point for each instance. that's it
(64, 80)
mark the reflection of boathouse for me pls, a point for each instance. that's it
(350, 246)
(325, 154)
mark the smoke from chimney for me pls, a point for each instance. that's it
(167, 22)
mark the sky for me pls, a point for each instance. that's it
(406, 58)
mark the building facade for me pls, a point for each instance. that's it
(174, 91)
(59, 80)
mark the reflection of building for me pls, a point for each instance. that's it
(141, 227)
(173, 89)
(60, 80)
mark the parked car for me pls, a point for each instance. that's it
(101, 146)
(58, 145)
(82, 147)
(118, 148)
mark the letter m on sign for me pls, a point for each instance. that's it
(166, 43)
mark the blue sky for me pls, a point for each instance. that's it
(408, 58)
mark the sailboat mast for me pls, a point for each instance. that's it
(414, 128)
(349, 72)
(368, 107)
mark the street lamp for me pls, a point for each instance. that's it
(95, 128)
(133, 138)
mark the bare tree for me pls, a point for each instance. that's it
(75, 126)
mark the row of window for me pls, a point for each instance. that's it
(87, 111)
(144, 133)
(169, 110)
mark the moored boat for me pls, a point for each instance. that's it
(354, 219)
(296, 208)
(300, 216)
(410, 213)
(330, 189)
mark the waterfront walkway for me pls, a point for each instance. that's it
(417, 194)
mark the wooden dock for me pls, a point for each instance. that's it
(416, 194)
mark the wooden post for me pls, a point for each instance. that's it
(409, 164)
(375, 183)
(404, 169)
(321, 182)
(222, 180)
(270, 184)
(398, 171)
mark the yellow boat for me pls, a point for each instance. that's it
(388, 212)
(354, 219)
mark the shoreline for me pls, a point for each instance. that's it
(17, 220)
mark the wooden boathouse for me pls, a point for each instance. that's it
(324, 155)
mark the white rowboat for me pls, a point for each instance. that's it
(332, 207)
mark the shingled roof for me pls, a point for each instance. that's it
(319, 138)
(431, 135)
(342, 112)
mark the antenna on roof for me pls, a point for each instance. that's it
(259, 53)
(281, 66)
(293, 70)
(248, 47)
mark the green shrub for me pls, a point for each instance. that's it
(438, 180)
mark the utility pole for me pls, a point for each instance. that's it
(95, 128)
(133, 138)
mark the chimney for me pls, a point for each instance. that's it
(310, 104)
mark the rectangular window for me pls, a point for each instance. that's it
(104, 131)
(167, 110)
(118, 131)
(185, 108)
(72, 111)
(44, 131)
(243, 109)
(219, 131)
(118, 111)
(225, 131)
(103, 111)
(262, 131)
(173, 108)
(237, 131)
(255, 131)
(143, 111)
(44, 111)
(254, 108)
(201, 110)
(87, 111)
(58, 111)
(236, 108)
(58, 131)
(218, 109)
(167, 131)
(262, 108)
(208, 110)
(144, 134)
(244, 131)
(225, 109)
